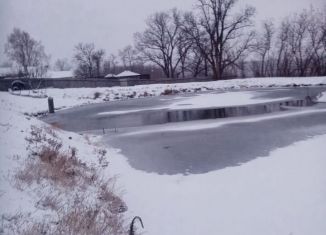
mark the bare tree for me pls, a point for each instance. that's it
(110, 65)
(84, 58)
(300, 50)
(296, 48)
(62, 65)
(242, 68)
(184, 48)
(222, 37)
(98, 57)
(129, 57)
(27, 53)
(317, 39)
(299, 43)
(160, 42)
(89, 60)
(284, 59)
(263, 48)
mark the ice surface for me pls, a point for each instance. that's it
(221, 100)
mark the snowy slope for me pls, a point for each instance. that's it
(21, 204)
(283, 193)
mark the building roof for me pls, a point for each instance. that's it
(110, 75)
(127, 74)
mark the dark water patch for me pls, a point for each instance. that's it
(152, 111)
(225, 112)
(92, 121)
(154, 117)
(206, 150)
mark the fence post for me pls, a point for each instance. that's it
(51, 105)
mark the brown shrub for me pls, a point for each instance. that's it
(27, 175)
(55, 125)
(114, 203)
(49, 201)
(102, 159)
(63, 170)
(36, 135)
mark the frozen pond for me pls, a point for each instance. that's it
(156, 138)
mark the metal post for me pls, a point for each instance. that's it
(51, 105)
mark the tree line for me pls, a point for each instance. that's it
(215, 39)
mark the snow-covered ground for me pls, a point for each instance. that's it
(283, 193)
(14, 129)
(27, 199)
(65, 98)
(323, 97)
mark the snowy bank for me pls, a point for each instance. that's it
(49, 176)
(65, 98)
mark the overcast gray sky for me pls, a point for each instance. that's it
(110, 24)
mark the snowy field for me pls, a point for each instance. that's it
(284, 193)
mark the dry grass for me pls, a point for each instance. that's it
(48, 164)
(56, 125)
(106, 194)
(90, 220)
(102, 159)
(51, 201)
